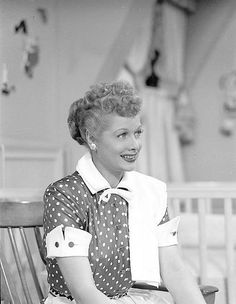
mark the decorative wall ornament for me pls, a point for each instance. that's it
(30, 56)
(42, 12)
(6, 89)
(227, 84)
(21, 27)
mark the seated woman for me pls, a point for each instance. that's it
(106, 225)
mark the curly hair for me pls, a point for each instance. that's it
(88, 113)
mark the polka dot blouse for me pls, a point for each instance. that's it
(70, 203)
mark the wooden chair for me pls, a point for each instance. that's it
(21, 238)
(23, 216)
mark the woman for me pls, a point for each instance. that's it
(107, 225)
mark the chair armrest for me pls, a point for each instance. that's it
(207, 291)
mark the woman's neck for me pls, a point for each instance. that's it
(112, 178)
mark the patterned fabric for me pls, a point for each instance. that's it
(165, 217)
(69, 202)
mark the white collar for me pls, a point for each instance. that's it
(94, 179)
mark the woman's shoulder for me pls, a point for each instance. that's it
(69, 182)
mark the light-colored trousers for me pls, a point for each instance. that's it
(137, 296)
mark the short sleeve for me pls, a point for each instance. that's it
(167, 232)
(65, 220)
(67, 241)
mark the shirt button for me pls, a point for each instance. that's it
(56, 244)
(121, 249)
(118, 226)
(71, 244)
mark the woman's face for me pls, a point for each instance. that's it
(118, 147)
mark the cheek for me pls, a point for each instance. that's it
(140, 144)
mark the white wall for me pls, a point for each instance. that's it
(75, 45)
(211, 49)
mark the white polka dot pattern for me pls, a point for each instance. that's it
(69, 202)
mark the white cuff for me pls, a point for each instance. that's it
(73, 242)
(167, 232)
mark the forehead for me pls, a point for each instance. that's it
(115, 122)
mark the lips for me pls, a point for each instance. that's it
(130, 157)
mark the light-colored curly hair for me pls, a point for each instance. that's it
(88, 112)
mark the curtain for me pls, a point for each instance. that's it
(189, 5)
(174, 21)
(161, 153)
(160, 156)
(138, 55)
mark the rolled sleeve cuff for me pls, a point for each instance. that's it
(167, 233)
(67, 242)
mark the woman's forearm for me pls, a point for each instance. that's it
(79, 278)
(177, 278)
(183, 287)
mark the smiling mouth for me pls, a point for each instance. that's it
(130, 157)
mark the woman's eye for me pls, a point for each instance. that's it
(122, 135)
(138, 133)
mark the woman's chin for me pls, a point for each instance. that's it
(130, 166)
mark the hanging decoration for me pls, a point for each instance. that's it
(30, 56)
(227, 84)
(6, 89)
(31, 50)
(22, 27)
(42, 12)
(152, 79)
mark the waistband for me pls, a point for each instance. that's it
(55, 293)
(118, 296)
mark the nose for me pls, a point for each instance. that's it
(135, 144)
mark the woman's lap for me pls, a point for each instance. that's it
(137, 296)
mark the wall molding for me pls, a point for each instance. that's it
(37, 164)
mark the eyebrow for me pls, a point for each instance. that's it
(125, 129)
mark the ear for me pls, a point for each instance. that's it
(90, 140)
(89, 137)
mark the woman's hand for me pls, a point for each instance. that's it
(178, 280)
(79, 279)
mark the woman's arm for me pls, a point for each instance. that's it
(178, 280)
(78, 276)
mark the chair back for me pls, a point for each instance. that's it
(21, 251)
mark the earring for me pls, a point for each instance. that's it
(93, 147)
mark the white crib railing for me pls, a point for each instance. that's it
(206, 199)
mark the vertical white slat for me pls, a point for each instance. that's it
(229, 251)
(202, 240)
(188, 205)
(175, 207)
(209, 203)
